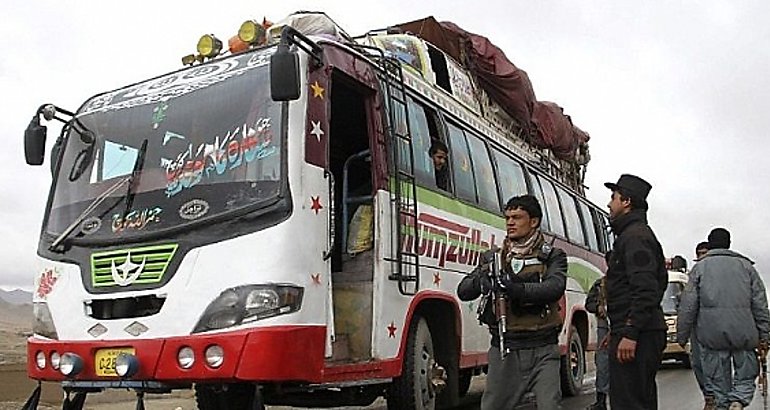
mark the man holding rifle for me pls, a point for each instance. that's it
(521, 285)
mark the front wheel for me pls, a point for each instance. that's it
(573, 365)
(421, 377)
(241, 396)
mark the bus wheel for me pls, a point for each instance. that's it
(240, 396)
(421, 377)
(573, 365)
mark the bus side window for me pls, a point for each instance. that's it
(510, 176)
(483, 172)
(605, 234)
(424, 127)
(552, 207)
(462, 168)
(589, 226)
(537, 192)
(571, 217)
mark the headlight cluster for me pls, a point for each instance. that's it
(245, 304)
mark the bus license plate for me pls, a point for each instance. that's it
(104, 360)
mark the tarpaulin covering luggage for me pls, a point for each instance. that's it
(554, 130)
(508, 85)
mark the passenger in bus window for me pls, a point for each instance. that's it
(439, 153)
(636, 281)
(725, 304)
(521, 285)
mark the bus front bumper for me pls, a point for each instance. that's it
(281, 353)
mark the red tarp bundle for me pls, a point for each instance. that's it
(503, 81)
(555, 131)
(543, 123)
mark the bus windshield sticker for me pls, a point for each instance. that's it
(91, 225)
(135, 219)
(176, 84)
(223, 154)
(194, 209)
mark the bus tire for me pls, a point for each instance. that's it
(413, 389)
(573, 365)
(240, 396)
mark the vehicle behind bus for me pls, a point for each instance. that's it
(677, 280)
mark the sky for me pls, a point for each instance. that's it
(673, 91)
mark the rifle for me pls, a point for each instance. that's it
(762, 355)
(500, 302)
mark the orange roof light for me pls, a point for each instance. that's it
(236, 45)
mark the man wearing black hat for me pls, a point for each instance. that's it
(636, 280)
(725, 305)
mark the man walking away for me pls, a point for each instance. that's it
(725, 305)
(636, 281)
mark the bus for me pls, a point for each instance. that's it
(264, 226)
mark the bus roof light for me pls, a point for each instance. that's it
(209, 46)
(251, 32)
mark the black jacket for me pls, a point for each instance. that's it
(636, 277)
(549, 290)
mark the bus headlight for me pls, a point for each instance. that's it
(40, 360)
(55, 360)
(248, 303)
(215, 356)
(43, 322)
(185, 357)
(70, 364)
(126, 365)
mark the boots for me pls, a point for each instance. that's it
(711, 403)
(601, 402)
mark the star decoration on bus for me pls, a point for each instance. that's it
(317, 131)
(318, 91)
(316, 204)
(316, 278)
(437, 279)
(392, 329)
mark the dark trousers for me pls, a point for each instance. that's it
(632, 385)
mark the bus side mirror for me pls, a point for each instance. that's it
(34, 141)
(284, 75)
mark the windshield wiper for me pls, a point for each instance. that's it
(135, 177)
(90, 208)
(129, 198)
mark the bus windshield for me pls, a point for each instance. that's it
(199, 143)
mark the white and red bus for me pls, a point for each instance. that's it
(241, 227)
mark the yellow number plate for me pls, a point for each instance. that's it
(104, 360)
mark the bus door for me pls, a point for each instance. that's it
(352, 257)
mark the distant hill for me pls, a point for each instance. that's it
(16, 296)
